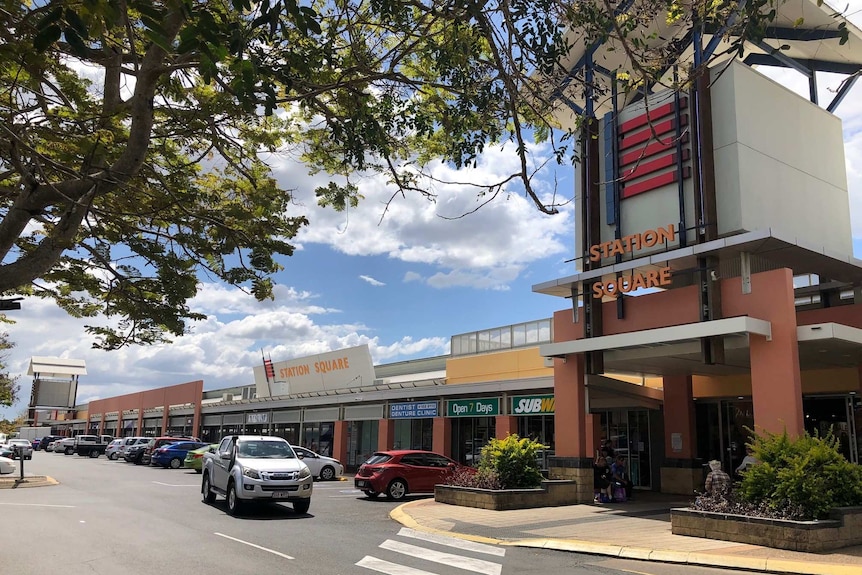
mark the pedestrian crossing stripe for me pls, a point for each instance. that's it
(382, 566)
(453, 542)
(450, 559)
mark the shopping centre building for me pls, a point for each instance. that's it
(713, 291)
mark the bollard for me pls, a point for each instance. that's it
(20, 451)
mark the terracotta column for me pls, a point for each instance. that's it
(595, 433)
(340, 441)
(441, 441)
(506, 425)
(386, 434)
(570, 408)
(776, 381)
(680, 472)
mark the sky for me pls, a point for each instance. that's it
(402, 284)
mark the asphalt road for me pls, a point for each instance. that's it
(112, 517)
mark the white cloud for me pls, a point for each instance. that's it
(412, 277)
(372, 281)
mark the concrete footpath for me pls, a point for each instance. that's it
(14, 481)
(634, 530)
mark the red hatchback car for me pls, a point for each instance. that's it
(397, 473)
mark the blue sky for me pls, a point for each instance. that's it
(402, 285)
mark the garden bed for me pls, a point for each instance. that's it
(552, 493)
(843, 528)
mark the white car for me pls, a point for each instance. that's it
(6, 465)
(322, 467)
(65, 446)
(127, 442)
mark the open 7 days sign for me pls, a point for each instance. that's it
(473, 407)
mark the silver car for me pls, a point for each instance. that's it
(247, 468)
(112, 452)
(127, 442)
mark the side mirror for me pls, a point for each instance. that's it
(300, 455)
(224, 455)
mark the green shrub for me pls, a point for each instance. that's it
(481, 479)
(808, 472)
(514, 461)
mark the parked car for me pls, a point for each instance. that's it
(195, 458)
(322, 467)
(35, 443)
(157, 442)
(20, 448)
(248, 468)
(48, 440)
(112, 452)
(92, 445)
(6, 451)
(6, 465)
(65, 446)
(173, 454)
(397, 473)
(135, 453)
(128, 442)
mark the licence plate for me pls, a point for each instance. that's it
(361, 483)
(279, 494)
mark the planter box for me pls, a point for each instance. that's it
(552, 493)
(842, 529)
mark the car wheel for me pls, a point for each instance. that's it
(233, 502)
(68, 451)
(327, 473)
(198, 470)
(138, 460)
(114, 457)
(176, 463)
(94, 454)
(396, 490)
(207, 494)
(371, 494)
(302, 506)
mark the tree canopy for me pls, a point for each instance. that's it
(132, 130)
(8, 384)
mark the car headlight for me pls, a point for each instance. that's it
(251, 473)
(304, 472)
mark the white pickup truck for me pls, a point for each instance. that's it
(246, 468)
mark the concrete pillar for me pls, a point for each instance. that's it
(776, 382)
(506, 425)
(340, 441)
(570, 408)
(441, 441)
(386, 434)
(595, 432)
(680, 473)
(197, 418)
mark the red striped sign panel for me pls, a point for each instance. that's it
(647, 148)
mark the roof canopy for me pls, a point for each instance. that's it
(812, 45)
(55, 367)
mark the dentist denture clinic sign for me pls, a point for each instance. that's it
(413, 410)
(626, 245)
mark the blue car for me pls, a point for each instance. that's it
(173, 454)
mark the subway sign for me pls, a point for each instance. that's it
(532, 404)
(473, 407)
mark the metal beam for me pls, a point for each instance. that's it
(842, 91)
(807, 65)
(801, 34)
(785, 60)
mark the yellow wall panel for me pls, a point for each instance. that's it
(838, 380)
(499, 366)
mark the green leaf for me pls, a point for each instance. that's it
(47, 37)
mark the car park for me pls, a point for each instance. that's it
(112, 452)
(399, 472)
(246, 468)
(195, 458)
(173, 454)
(322, 467)
(65, 446)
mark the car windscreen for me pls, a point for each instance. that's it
(265, 450)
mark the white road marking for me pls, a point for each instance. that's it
(253, 545)
(382, 566)
(39, 505)
(175, 485)
(459, 561)
(453, 542)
